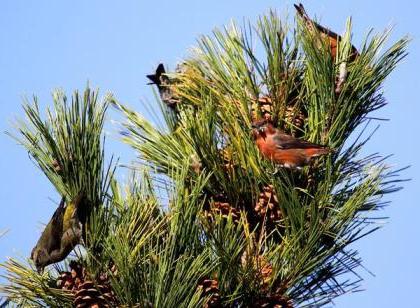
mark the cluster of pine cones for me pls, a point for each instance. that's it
(266, 210)
(210, 289)
(88, 291)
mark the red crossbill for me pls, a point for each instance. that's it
(284, 149)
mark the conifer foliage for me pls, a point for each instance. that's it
(207, 220)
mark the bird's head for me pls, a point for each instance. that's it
(40, 257)
(262, 128)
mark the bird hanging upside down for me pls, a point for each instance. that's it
(284, 149)
(61, 235)
(332, 37)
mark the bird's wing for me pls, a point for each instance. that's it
(55, 225)
(57, 218)
(284, 141)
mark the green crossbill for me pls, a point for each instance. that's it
(62, 233)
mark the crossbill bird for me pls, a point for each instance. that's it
(163, 83)
(283, 149)
(326, 33)
(62, 233)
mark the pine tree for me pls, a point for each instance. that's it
(206, 220)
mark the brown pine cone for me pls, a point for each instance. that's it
(90, 295)
(263, 268)
(65, 281)
(261, 107)
(88, 292)
(266, 270)
(273, 301)
(210, 287)
(222, 208)
(268, 205)
(71, 280)
(266, 106)
(56, 166)
(295, 117)
(226, 155)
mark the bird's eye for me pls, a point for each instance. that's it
(261, 129)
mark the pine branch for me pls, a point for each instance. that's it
(30, 289)
(68, 145)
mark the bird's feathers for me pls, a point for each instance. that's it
(333, 37)
(285, 141)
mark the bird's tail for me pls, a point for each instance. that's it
(155, 78)
(301, 11)
(315, 152)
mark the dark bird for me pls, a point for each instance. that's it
(284, 149)
(62, 233)
(163, 83)
(326, 33)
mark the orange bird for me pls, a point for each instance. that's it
(284, 149)
(332, 37)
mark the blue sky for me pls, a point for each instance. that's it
(114, 44)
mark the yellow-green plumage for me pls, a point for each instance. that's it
(61, 234)
(70, 212)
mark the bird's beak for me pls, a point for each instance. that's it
(40, 269)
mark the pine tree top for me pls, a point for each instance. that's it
(210, 218)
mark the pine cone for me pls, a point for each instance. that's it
(295, 117)
(88, 293)
(266, 271)
(210, 287)
(71, 280)
(268, 205)
(263, 105)
(222, 208)
(226, 154)
(273, 301)
(65, 281)
(56, 166)
(263, 269)
(195, 164)
(266, 106)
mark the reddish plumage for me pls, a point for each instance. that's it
(284, 149)
(332, 37)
